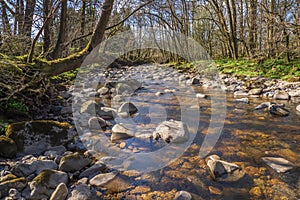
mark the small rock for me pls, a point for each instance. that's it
(240, 93)
(120, 132)
(298, 108)
(222, 170)
(103, 91)
(255, 91)
(94, 170)
(183, 195)
(60, 193)
(295, 93)
(242, 100)
(101, 179)
(202, 96)
(122, 145)
(172, 131)
(80, 192)
(169, 90)
(214, 190)
(193, 81)
(74, 162)
(14, 194)
(281, 95)
(128, 108)
(158, 93)
(90, 107)
(281, 165)
(279, 110)
(96, 123)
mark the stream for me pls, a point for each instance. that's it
(247, 136)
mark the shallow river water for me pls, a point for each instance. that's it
(246, 137)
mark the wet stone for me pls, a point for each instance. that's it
(280, 165)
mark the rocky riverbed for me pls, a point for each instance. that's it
(136, 133)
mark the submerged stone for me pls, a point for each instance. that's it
(280, 165)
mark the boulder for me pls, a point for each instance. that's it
(223, 171)
(172, 131)
(8, 147)
(60, 193)
(34, 137)
(46, 182)
(120, 132)
(128, 108)
(280, 165)
(74, 162)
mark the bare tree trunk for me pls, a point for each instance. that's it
(82, 22)
(252, 27)
(62, 35)
(5, 20)
(47, 33)
(102, 23)
(28, 17)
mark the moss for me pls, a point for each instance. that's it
(44, 177)
(8, 177)
(13, 181)
(19, 131)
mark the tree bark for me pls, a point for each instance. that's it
(47, 33)
(62, 35)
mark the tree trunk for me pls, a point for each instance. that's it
(47, 33)
(5, 20)
(28, 17)
(252, 27)
(62, 35)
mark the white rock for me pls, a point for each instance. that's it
(202, 96)
(101, 179)
(172, 131)
(280, 165)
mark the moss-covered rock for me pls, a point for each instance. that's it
(45, 183)
(8, 147)
(17, 183)
(34, 137)
(74, 162)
